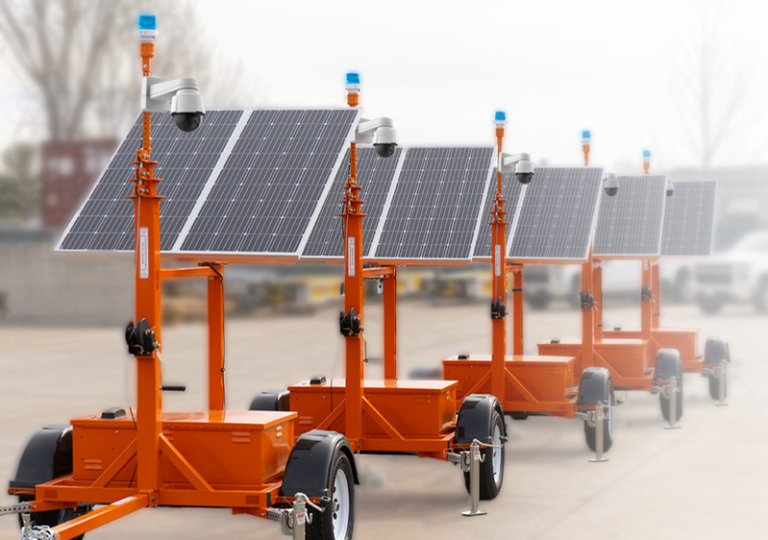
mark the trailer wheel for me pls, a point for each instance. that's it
(668, 365)
(492, 466)
(590, 433)
(52, 518)
(714, 386)
(337, 522)
(596, 386)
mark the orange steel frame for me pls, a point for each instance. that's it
(192, 459)
(375, 415)
(524, 384)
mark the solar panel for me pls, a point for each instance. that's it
(273, 183)
(246, 182)
(556, 220)
(435, 210)
(375, 175)
(630, 223)
(689, 218)
(512, 190)
(105, 221)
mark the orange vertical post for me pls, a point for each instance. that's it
(146, 204)
(499, 280)
(216, 341)
(390, 325)
(597, 284)
(587, 317)
(353, 285)
(517, 316)
(656, 301)
(646, 304)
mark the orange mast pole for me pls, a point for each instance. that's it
(353, 284)
(517, 316)
(499, 285)
(597, 270)
(146, 204)
(390, 325)
(587, 316)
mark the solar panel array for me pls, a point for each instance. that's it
(375, 175)
(435, 209)
(273, 182)
(689, 219)
(630, 223)
(105, 221)
(246, 182)
(512, 191)
(556, 220)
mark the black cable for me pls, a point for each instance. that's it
(223, 341)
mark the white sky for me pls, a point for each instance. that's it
(441, 68)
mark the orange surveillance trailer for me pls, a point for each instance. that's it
(629, 227)
(553, 221)
(220, 180)
(421, 208)
(687, 232)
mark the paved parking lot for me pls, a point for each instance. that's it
(704, 481)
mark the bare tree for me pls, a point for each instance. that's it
(712, 85)
(78, 57)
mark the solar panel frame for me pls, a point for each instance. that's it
(455, 253)
(113, 186)
(315, 203)
(557, 235)
(689, 219)
(630, 224)
(177, 252)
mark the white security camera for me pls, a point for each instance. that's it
(611, 184)
(380, 132)
(670, 188)
(520, 164)
(181, 97)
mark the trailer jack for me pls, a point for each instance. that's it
(595, 420)
(718, 372)
(294, 520)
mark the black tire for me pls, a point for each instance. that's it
(714, 386)
(590, 433)
(329, 525)
(664, 402)
(52, 518)
(492, 466)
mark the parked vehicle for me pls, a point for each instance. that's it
(739, 275)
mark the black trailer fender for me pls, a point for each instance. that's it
(668, 365)
(595, 385)
(48, 455)
(271, 400)
(475, 417)
(311, 462)
(716, 350)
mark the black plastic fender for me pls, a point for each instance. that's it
(271, 400)
(716, 350)
(311, 462)
(48, 455)
(475, 416)
(668, 365)
(594, 386)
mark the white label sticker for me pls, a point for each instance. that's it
(301, 518)
(351, 256)
(143, 253)
(476, 454)
(497, 258)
